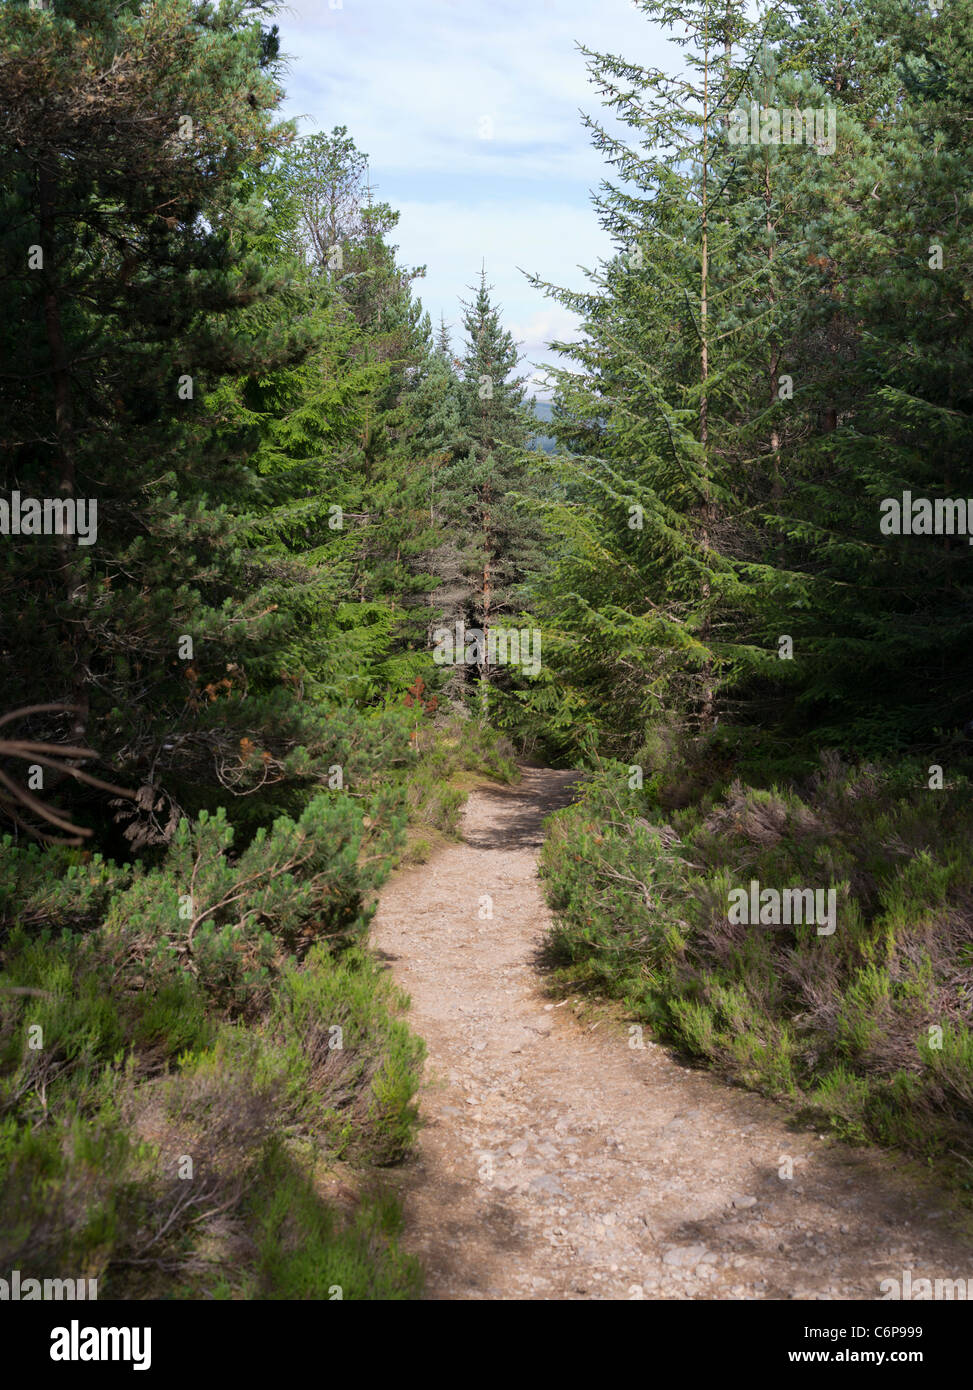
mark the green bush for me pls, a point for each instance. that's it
(867, 1028)
(182, 1016)
(189, 1042)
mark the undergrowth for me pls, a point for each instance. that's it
(189, 1046)
(866, 1029)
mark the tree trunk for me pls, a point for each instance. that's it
(706, 712)
(65, 442)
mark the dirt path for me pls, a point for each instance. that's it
(558, 1162)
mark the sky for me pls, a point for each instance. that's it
(469, 113)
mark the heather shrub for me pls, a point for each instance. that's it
(867, 1027)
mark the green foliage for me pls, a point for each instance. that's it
(296, 482)
(778, 344)
(145, 1038)
(304, 1253)
(220, 348)
(868, 1027)
(476, 435)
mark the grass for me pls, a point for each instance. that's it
(176, 1085)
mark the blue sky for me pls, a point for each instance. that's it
(468, 111)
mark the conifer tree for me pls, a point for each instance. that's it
(493, 542)
(128, 236)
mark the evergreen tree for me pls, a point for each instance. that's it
(659, 571)
(494, 544)
(127, 244)
(341, 425)
(887, 632)
(748, 389)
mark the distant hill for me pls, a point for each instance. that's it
(544, 410)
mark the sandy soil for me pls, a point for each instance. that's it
(559, 1162)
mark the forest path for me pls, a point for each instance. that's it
(556, 1162)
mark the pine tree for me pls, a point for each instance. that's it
(340, 429)
(774, 351)
(493, 543)
(654, 411)
(128, 251)
(888, 627)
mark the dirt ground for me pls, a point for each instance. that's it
(559, 1162)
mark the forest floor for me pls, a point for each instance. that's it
(558, 1162)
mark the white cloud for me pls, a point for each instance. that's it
(414, 82)
(453, 240)
(419, 84)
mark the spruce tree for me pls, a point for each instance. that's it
(494, 543)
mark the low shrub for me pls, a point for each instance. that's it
(868, 1027)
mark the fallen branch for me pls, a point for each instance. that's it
(52, 755)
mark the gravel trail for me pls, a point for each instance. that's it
(559, 1162)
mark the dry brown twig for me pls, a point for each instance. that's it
(15, 799)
